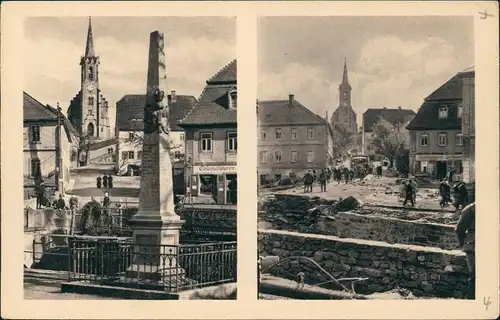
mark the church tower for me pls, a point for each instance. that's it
(90, 88)
(344, 116)
(345, 89)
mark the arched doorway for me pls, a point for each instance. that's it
(90, 129)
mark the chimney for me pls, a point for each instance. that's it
(173, 97)
(290, 98)
(399, 107)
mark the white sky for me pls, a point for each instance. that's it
(392, 61)
(196, 48)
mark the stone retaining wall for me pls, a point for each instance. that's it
(419, 269)
(359, 226)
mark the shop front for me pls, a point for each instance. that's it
(214, 184)
(438, 166)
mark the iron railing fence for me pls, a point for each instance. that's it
(170, 268)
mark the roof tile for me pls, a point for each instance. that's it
(394, 116)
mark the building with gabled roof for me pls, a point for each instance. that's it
(212, 140)
(436, 138)
(292, 140)
(398, 117)
(130, 126)
(42, 145)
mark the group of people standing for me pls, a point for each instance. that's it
(459, 193)
(106, 181)
(324, 177)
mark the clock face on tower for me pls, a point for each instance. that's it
(90, 88)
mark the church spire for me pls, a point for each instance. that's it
(345, 80)
(89, 49)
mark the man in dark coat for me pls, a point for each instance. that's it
(460, 193)
(105, 181)
(110, 181)
(466, 233)
(444, 192)
(60, 204)
(346, 175)
(308, 181)
(99, 182)
(322, 180)
(408, 190)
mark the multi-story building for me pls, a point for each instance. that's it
(345, 116)
(130, 126)
(436, 141)
(398, 117)
(292, 140)
(212, 140)
(88, 111)
(468, 125)
(47, 137)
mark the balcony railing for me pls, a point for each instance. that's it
(169, 268)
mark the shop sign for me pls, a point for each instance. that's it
(214, 169)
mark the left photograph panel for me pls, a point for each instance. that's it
(130, 171)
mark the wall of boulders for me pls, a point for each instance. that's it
(422, 270)
(297, 213)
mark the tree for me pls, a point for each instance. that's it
(388, 140)
(343, 141)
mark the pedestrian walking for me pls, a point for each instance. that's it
(322, 180)
(110, 181)
(466, 232)
(105, 181)
(408, 189)
(460, 194)
(445, 193)
(414, 187)
(310, 181)
(346, 175)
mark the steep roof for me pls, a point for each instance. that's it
(450, 90)
(212, 107)
(89, 48)
(281, 112)
(130, 111)
(394, 116)
(35, 111)
(450, 95)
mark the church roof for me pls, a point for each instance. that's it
(89, 48)
(130, 111)
(394, 116)
(212, 107)
(282, 112)
(35, 111)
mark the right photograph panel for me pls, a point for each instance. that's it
(365, 173)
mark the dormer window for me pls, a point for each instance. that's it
(460, 109)
(233, 98)
(443, 112)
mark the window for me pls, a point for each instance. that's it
(35, 167)
(90, 112)
(102, 129)
(458, 139)
(91, 101)
(263, 135)
(293, 156)
(310, 156)
(460, 109)
(443, 112)
(278, 133)
(345, 95)
(424, 140)
(277, 156)
(206, 142)
(232, 141)
(294, 134)
(233, 98)
(310, 133)
(177, 155)
(183, 136)
(110, 150)
(125, 155)
(35, 133)
(131, 154)
(131, 136)
(263, 156)
(442, 139)
(91, 73)
(139, 155)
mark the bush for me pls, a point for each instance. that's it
(92, 218)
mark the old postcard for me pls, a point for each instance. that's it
(357, 180)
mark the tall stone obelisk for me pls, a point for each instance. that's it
(156, 222)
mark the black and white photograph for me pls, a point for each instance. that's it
(366, 157)
(130, 142)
